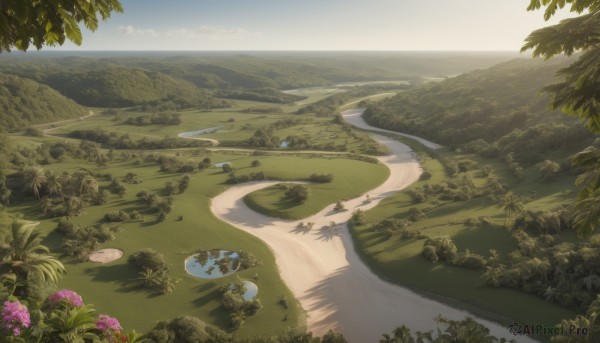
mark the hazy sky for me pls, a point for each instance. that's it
(316, 25)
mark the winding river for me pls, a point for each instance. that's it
(321, 267)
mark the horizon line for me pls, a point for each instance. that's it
(257, 50)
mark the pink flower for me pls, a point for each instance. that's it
(67, 297)
(105, 322)
(14, 317)
(110, 327)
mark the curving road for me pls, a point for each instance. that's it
(324, 272)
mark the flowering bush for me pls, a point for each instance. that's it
(15, 317)
(67, 297)
(110, 327)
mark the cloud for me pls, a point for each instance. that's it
(213, 32)
(205, 31)
(132, 31)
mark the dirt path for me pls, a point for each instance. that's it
(324, 272)
(58, 124)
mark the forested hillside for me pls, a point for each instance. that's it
(281, 70)
(121, 87)
(491, 112)
(24, 102)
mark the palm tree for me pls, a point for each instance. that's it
(402, 335)
(25, 254)
(387, 339)
(54, 185)
(167, 285)
(511, 204)
(238, 317)
(467, 330)
(46, 204)
(72, 325)
(34, 180)
(586, 213)
(149, 278)
(495, 259)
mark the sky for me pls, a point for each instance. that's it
(419, 25)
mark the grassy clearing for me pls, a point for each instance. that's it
(234, 128)
(399, 260)
(110, 286)
(351, 179)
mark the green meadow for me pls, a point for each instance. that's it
(399, 260)
(350, 179)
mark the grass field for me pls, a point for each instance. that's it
(351, 179)
(234, 127)
(110, 286)
(399, 260)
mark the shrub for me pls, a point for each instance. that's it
(248, 260)
(256, 163)
(339, 206)
(148, 258)
(66, 227)
(426, 175)
(430, 253)
(117, 216)
(297, 193)
(358, 217)
(444, 248)
(320, 178)
(415, 214)
(470, 260)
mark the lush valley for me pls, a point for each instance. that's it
(130, 177)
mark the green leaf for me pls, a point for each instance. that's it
(72, 30)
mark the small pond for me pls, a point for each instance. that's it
(199, 132)
(284, 144)
(251, 290)
(212, 264)
(220, 165)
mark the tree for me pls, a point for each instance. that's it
(39, 22)
(53, 184)
(34, 179)
(25, 253)
(577, 94)
(511, 204)
(548, 169)
(71, 325)
(184, 183)
(587, 208)
(358, 217)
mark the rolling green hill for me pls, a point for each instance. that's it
(24, 102)
(491, 112)
(122, 87)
